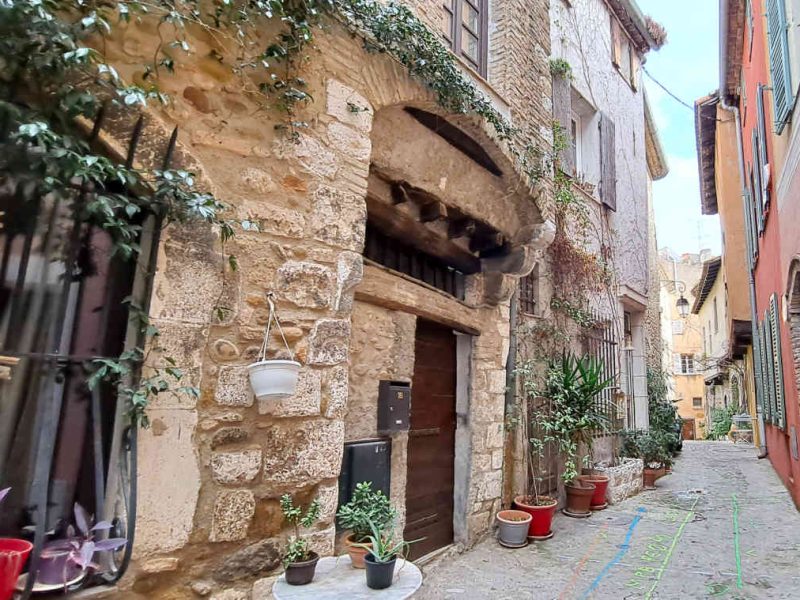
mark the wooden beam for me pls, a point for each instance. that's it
(433, 211)
(403, 227)
(461, 228)
(486, 240)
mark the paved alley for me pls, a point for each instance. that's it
(721, 526)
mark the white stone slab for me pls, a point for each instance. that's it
(335, 578)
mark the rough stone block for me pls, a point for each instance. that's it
(349, 272)
(328, 496)
(348, 106)
(339, 218)
(336, 390)
(251, 561)
(497, 459)
(305, 284)
(236, 467)
(233, 387)
(239, 594)
(233, 511)
(262, 589)
(312, 155)
(228, 435)
(304, 403)
(160, 565)
(330, 340)
(322, 542)
(494, 436)
(298, 454)
(349, 141)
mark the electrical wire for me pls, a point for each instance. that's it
(677, 98)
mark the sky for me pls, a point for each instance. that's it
(688, 66)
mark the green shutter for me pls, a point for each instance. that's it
(748, 225)
(769, 353)
(758, 197)
(765, 372)
(777, 33)
(757, 371)
(777, 359)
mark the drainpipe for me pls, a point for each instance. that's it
(511, 394)
(750, 274)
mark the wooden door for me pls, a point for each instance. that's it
(688, 429)
(431, 440)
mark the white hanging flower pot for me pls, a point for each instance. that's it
(273, 379)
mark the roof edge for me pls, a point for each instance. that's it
(656, 158)
(707, 279)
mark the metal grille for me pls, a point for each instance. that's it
(62, 305)
(397, 256)
(529, 292)
(600, 343)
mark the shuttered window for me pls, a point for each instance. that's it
(766, 373)
(758, 196)
(777, 34)
(466, 30)
(529, 292)
(758, 368)
(777, 362)
(608, 162)
(763, 158)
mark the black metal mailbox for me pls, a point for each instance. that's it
(394, 406)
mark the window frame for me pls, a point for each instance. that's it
(455, 8)
(687, 364)
(697, 402)
(529, 292)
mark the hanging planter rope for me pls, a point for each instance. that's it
(273, 379)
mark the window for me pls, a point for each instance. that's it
(466, 27)
(686, 364)
(529, 292)
(624, 55)
(575, 143)
(677, 327)
(777, 35)
(697, 402)
(748, 12)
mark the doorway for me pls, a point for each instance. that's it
(688, 429)
(431, 440)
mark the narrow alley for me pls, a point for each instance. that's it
(721, 526)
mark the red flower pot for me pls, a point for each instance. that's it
(13, 554)
(542, 514)
(600, 487)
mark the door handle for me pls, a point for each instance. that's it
(6, 364)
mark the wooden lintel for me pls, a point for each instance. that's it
(486, 241)
(433, 211)
(405, 228)
(461, 228)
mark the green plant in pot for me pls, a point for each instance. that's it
(573, 385)
(382, 549)
(651, 450)
(365, 508)
(299, 561)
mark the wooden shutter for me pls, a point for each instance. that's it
(763, 159)
(636, 64)
(769, 360)
(757, 371)
(758, 196)
(608, 162)
(562, 112)
(762, 361)
(616, 43)
(748, 226)
(777, 360)
(777, 34)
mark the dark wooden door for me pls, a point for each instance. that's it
(688, 429)
(431, 440)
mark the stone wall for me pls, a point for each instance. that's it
(212, 469)
(624, 480)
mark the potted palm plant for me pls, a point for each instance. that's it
(573, 385)
(299, 561)
(366, 507)
(382, 552)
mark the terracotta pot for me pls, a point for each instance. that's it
(541, 524)
(356, 553)
(579, 497)
(513, 527)
(600, 486)
(649, 476)
(660, 472)
(302, 573)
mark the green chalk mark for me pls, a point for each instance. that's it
(736, 547)
(689, 516)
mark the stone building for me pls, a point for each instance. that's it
(393, 235)
(611, 156)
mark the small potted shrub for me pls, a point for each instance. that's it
(539, 506)
(366, 507)
(512, 527)
(299, 562)
(13, 554)
(66, 560)
(382, 552)
(650, 451)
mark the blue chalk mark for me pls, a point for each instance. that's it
(624, 547)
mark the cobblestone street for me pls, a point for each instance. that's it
(721, 526)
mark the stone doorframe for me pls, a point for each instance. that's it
(792, 304)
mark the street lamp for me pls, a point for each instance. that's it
(683, 307)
